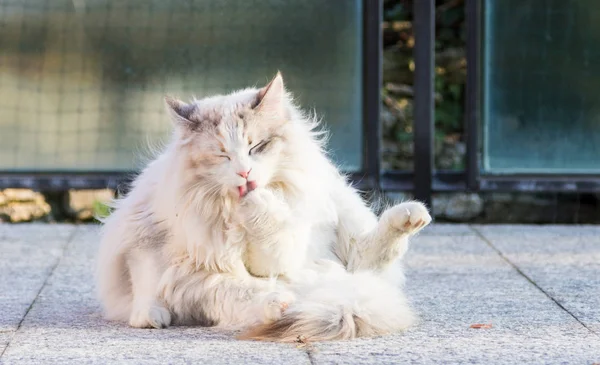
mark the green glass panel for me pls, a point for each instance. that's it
(82, 81)
(541, 85)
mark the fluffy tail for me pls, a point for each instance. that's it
(339, 308)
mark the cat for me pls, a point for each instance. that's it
(243, 222)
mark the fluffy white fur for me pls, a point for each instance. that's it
(289, 251)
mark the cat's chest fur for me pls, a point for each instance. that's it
(312, 241)
(278, 259)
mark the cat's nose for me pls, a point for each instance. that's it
(244, 174)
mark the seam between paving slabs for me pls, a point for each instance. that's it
(311, 358)
(52, 269)
(528, 278)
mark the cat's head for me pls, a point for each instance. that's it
(235, 142)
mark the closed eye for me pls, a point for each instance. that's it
(259, 147)
(225, 156)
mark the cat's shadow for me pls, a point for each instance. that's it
(87, 317)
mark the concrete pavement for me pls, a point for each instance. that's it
(539, 287)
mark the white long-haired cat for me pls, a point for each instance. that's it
(242, 222)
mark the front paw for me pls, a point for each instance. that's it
(262, 204)
(409, 217)
(275, 304)
(259, 197)
(149, 316)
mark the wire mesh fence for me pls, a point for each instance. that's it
(82, 81)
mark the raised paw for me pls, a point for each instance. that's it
(409, 217)
(150, 316)
(261, 205)
(275, 304)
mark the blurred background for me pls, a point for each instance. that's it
(512, 134)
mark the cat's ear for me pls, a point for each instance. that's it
(271, 98)
(180, 112)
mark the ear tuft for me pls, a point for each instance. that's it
(271, 98)
(180, 112)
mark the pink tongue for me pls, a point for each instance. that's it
(242, 190)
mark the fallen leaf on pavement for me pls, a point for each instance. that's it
(481, 325)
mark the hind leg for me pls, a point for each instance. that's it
(146, 310)
(397, 224)
(389, 240)
(367, 244)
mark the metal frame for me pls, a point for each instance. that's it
(371, 79)
(424, 181)
(61, 181)
(424, 126)
(472, 103)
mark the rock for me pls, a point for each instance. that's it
(531, 208)
(20, 195)
(83, 204)
(21, 205)
(457, 207)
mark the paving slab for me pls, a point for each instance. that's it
(64, 326)
(4, 339)
(562, 260)
(454, 280)
(28, 253)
